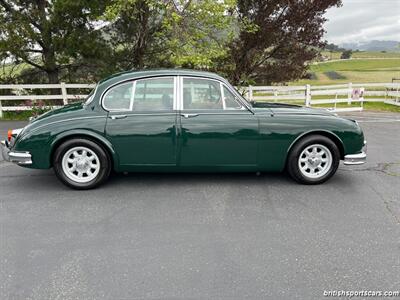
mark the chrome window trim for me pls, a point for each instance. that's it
(132, 96)
(120, 109)
(221, 87)
(91, 97)
(176, 89)
(242, 107)
(155, 113)
(241, 100)
(224, 112)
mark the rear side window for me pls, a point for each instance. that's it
(119, 97)
(141, 95)
(154, 94)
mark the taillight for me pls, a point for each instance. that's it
(9, 135)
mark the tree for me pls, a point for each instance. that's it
(346, 54)
(199, 32)
(333, 47)
(169, 33)
(276, 38)
(246, 40)
(134, 28)
(52, 36)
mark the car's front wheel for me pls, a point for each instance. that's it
(81, 164)
(313, 160)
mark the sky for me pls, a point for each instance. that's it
(363, 20)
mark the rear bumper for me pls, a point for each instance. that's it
(20, 158)
(357, 159)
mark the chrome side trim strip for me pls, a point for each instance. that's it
(169, 113)
(67, 120)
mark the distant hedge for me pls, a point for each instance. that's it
(333, 75)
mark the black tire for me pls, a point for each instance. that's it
(102, 155)
(293, 167)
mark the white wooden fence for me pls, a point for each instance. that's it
(25, 92)
(306, 95)
(328, 94)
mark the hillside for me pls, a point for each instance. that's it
(356, 70)
(373, 46)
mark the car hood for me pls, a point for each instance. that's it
(281, 108)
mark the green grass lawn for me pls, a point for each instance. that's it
(17, 69)
(370, 106)
(355, 70)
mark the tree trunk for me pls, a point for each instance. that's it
(53, 76)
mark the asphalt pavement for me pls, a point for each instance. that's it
(205, 236)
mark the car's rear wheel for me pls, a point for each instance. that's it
(313, 160)
(81, 164)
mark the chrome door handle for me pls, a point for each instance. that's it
(115, 117)
(187, 116)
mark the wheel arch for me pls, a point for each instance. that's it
(338, 142)
(96, 138)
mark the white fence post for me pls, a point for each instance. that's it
(250, 93)
(1, 110)
(349, 94)
(308, 95)
(64, 93)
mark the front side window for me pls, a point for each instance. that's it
(230, 100)
(201, 94)
(207, 94)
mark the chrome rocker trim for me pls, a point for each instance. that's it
(20, 158)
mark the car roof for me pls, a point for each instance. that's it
(129, 75)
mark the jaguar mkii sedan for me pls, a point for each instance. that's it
(182, 121)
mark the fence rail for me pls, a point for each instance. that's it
(19, 97)
(25, 92)
(328, 94)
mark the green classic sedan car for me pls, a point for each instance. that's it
(182, 121)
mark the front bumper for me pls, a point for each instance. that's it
(357, 159)
(20, 158)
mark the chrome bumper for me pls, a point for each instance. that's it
(357, 159)
(20, 158)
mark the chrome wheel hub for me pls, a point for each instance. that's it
(81, 164)
(315, 161)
